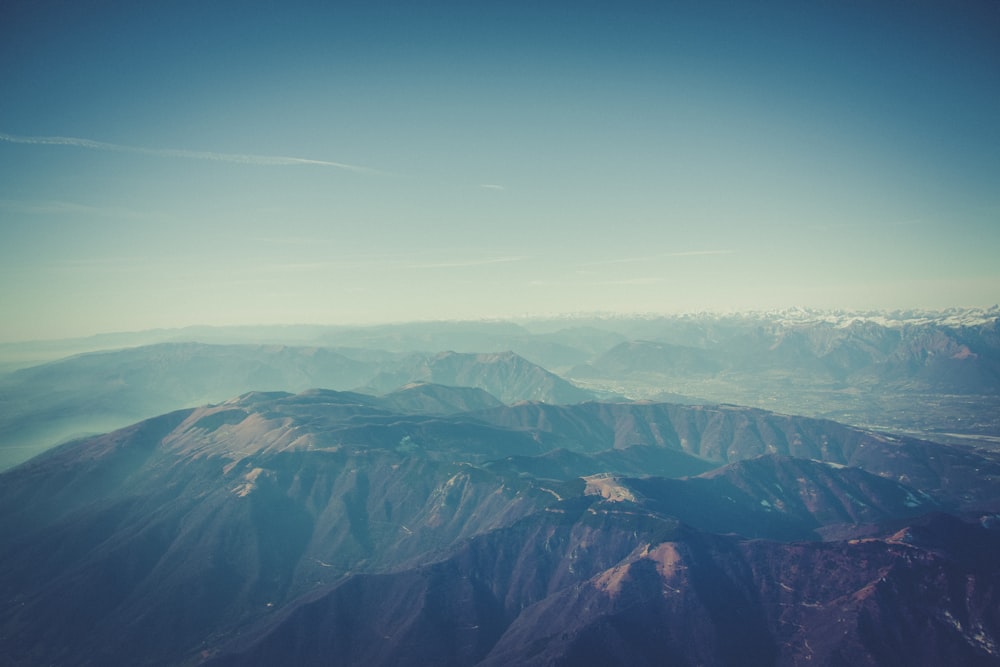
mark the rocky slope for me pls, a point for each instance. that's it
(329, 528)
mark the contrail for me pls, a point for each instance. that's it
(261, 160)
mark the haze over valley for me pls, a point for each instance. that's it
(933, 375)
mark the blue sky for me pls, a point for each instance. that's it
(175, 163)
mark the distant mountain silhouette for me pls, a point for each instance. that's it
(927, 357)
(100, 391)
(506, 375)
(92, 393)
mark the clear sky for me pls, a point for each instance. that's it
(174, 163)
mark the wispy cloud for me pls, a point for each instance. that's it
(58, 207)
(623, 260)
(644, 280)
(465, 263)
(492, 186)
(289, 267)
(293, 240)
(657, 257)
(694, 253)
(862, 226)
(239, 158)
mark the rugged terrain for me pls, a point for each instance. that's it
(342, 528)
(582, 492)
(931, 375)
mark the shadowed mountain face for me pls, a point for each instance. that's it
(724, 434)
(700, 599)
(332, 528)
(601, 586)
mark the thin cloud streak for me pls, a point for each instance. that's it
(695, 253)
(653, 258)
(461, 264)
(58, 207)
(238, 158)
(622, 260)
(100, 267)
(650, 280)
(293, 240)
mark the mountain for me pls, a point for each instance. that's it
(552, 347)
(149, 541)
(93, 393)
(724, 434)
(783, 498)
(598, 587)
(711, 600)
(329, 527)
(506, 375)
(926, 356)
(640, 356)
(96, 392)
(566, 465)
(933, 374)
(432, 399)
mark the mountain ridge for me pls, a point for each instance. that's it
(273, 513)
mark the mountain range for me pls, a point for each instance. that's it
(929, 374)
(333, 528)
(614, 491)
(99, 391)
